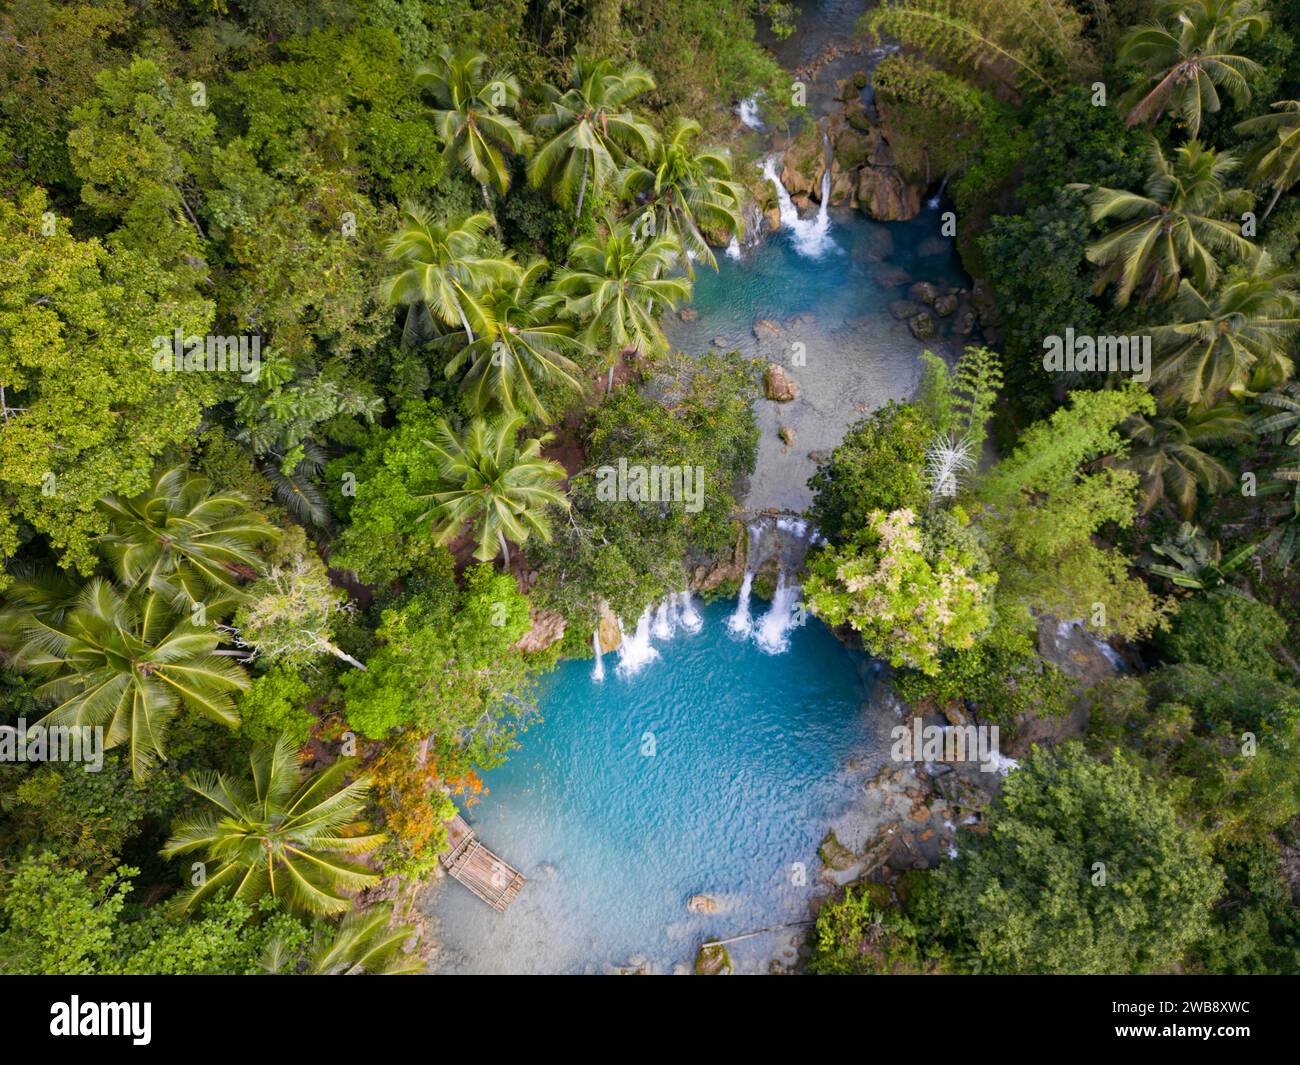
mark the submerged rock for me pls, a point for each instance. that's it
(923, 292)
(765, 327)
(688, 314)
(922, 326)
(778, 385)
(713, 960)
(702, 904)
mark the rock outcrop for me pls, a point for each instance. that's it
(607, 629)
(548, 628)
(778, 385)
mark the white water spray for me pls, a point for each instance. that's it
(687, 616)
(636, 651)
(733, 248)
(772, 634)
(740, 622)
(810, 235)
(748, 112)
(598, 671)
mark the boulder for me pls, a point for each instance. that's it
(923, 292)
(688, 314)
(922, 326)
(787, 435)
(765, 327)
(713, 960)
(607, 629)
(548, 628)
(902, 309)
(773, 216)
(702, 904)
(945, 305)
(803, 163)
(885, 195)
(965, 322)
(721, 342)
(778, 385)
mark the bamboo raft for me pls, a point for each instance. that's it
(492, 879)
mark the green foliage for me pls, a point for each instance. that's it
(906, 607)
(695, 414)
(1226, 633)
(274, 705)
(448, 666)
(863, 935)
(878, 466)
(1024, 898)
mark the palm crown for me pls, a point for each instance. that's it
(1187, 58)
(1276, 160)
(585, 131)
(490, 482)
(1169, 228)
(688, 190)
(525, 346)
(127, 667)
(441, 270)
(283, 835)
(185, 542)
(469, 114)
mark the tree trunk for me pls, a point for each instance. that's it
(1272, 203)
(469, 333)
(582, 190)
(609, 382)
(505, 548)
(338, 652)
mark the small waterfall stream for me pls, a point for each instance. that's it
(811, 236)
(784, 541)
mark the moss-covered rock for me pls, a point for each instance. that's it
(834, 854)
(713, 960)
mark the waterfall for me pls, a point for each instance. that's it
(663, 625)
(810, 235)
(828, 159)
(773, 629)
(740, 622)
(748, 112)
(687, 616)
(636, 651)
(598, 671)
(733, 248)
(934, 201)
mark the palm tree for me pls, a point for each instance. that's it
(362, 944)
(469, 115)
(441, 270)
(1166, 454)
(688, 190)
(1168, 230)
(282, 836)
(1187, 57)
(1285, 425)
(1235, 340)
(184, 542)
(127, 667)
(613, 283)
(584, 130)
(491, 483)
(525, 347)
(1277, 159)
(1198, 562)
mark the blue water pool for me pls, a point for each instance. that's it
(715, 769)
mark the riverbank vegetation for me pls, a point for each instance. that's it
(317, 323)
(1159, 831)
(307, 323)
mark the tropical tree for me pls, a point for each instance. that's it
(613, 283)
(1276, 160)
(525, 346)
(1166, 452)
(1237, 339)
(185, 542)
(364, 943)
(469, 113)
(1198, 562)
(491, 483)
(441, 271)
(124, 666)
(687, 191)
(1186, 56)
(1168, 229)
(585, 132)
(280, 836)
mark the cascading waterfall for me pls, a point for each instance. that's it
(733, 248)
(740, 622)
(934, 201)
(598, 671)
(663, 625)
(747, 110)
(636, 651)
(772, 633)
(810, 235)
(687, 616)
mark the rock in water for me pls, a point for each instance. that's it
(778, 385)
(765, 327)
(922, 326)
(702, 904)
(713, 960)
